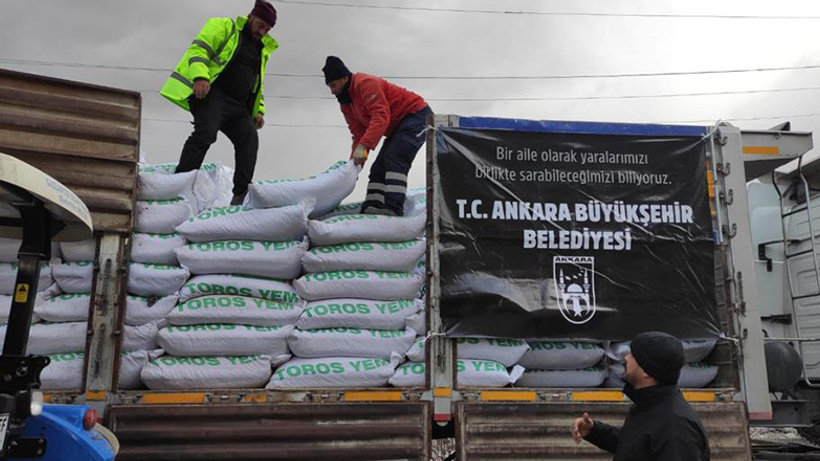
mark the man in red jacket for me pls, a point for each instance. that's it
(374, 107)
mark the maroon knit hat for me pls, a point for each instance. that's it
(264, 11)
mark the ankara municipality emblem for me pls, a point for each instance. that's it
(575, 287)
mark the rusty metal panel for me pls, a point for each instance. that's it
(345, 431)
(85, 136)
(533, 431)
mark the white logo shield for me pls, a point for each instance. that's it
(575, 287)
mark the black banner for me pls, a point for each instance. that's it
(556, 235)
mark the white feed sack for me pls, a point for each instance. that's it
(415, 202)
(359, 284)
(326, 189)
(140, 310)
(64, 372)
(42, 297)
(343, 210)
(57, 338)
(505, 351)
(224, 339)
(331, 372)
(161, 216)
(74, 277)
(203, 192)
(10, 249)
(281, 260)
(418, 322)
(358, 313)
(156, 248)
(471, 373)
(350, 342)
(562, 355)
(235, 310)
(692, 375)
(693, 351)
(157, 184)
(142, 337)
(372, 256)
(416, 352)
(68, 307)
(209, 372)
(155, 279)
(131, 365)
(84, 250)
(583, 378)
(8, 278)
(238, 223)
(239, 285)
(365, 228)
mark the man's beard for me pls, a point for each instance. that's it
(344, 96)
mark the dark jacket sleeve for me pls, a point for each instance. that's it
(681, 442)
(604, 436)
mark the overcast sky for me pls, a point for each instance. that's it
(412, 43)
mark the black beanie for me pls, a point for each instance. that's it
(335, 69)
(659, 354)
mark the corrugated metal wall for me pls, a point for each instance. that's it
(514, 432)
(345, 431)
(85, 136)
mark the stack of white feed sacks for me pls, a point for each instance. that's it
(361, 288)
(559, 364)
(695, 374)
(235, 315)
(52, 335)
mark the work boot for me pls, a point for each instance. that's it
(238, 199)
(379, 210)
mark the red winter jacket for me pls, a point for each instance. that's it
(377, 109)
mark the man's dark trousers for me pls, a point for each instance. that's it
(220, 112)
(388, 175)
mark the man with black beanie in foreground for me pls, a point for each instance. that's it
(661, 425)
(374, 107)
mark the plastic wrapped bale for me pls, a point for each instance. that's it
(161, 216)
(358, 313)
(471, 373)
(140, 310)
(226, 339)
(232, 372)
(365, 228)
(334, 372)
(562, 355)
(582, 378)
(155, 279)
(238, 223)
(326, 189)
(156, 248)
(281, 260)
(350, 342)
(359, 284)
(236, 310)
(74, 277)
(239, 285)
(505, 351)
(372, 256)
